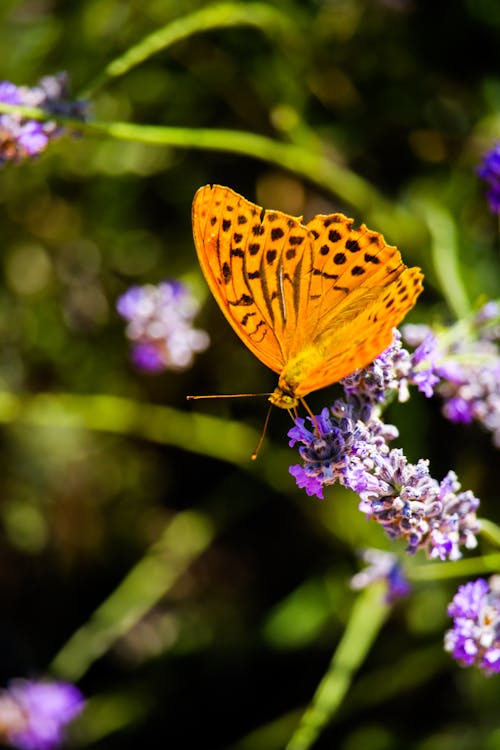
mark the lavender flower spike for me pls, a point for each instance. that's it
(34, 714)
(474, 639)
(349, 444)
(489, 170)
(382, 566)
(160, 326)
(21, 138)
(390, 371)
(462, 365)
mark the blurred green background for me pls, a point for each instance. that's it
(255, 596)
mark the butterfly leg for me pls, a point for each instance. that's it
(313, 417)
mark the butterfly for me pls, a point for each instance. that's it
(313, 301)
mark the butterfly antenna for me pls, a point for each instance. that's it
(227, 395)
(262, 435)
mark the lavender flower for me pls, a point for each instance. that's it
(160, 326)
(402, 497)
(489, 170)
(391, 373)
(33, 715)
(332, 449)
(21, 138)
(462, 365)
(474, 639)
(388, 372)
(349, 444)
(382, 566)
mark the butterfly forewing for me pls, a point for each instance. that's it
(253, 261)
(351, 267)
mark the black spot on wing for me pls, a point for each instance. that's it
(352, 246)
(244, 301)
(319, 272)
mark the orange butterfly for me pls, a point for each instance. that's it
(314, 301)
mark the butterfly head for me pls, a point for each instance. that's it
(284, 399)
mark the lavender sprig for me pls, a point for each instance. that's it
(382, 566)
(160, 326)
(22, 138)
(464, 361)
(349, 444)
(34, 714)
(489, 170)
(474, 639)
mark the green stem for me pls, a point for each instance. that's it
(456, 569)
(445, 256)
(222, 439)
(367, 617)
(222, 16)
(161, 424)
(490, 531)
(314, 166)
(184, 539)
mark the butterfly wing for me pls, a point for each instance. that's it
(313, 302)
(253, 261)
(359, 290)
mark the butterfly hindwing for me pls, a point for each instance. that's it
(360, 332)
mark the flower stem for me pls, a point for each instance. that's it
(367, 617)
(445, 256)
(312, 164)
(456, 569)
(225, 15)
(182, 541)
(490, 531)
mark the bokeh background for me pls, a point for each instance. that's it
(255, 594)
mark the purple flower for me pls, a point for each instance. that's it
(410, 504)
(330, 450)
(474, 639)
(382, 566)
(462, 365)
(160, 326)
(349, 444)
(390, 371)
(34, 714)
(21, 138)
(489, 170)
(393, 371)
